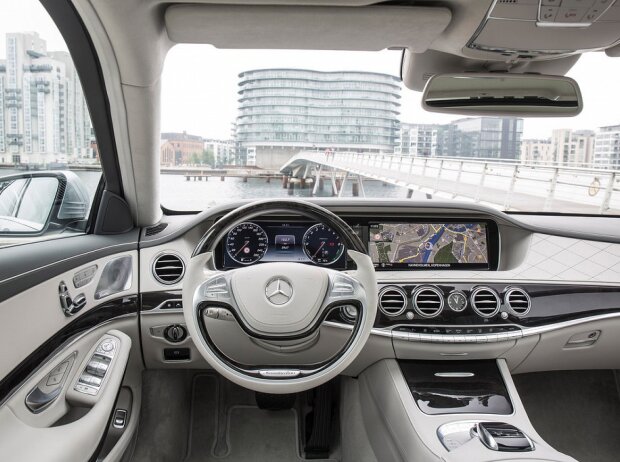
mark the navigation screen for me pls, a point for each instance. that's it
(429, 245)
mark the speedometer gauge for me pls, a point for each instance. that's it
(246, 243)
(322, 245)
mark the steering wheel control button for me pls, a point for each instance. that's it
(226, 315)
(279, 291)
(279, 373)
(217, 289)
(342, 287)
(175, 333)
(457, 301)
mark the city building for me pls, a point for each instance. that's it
(223, 151)
(44, 119)
(536, 151)
(481, 137)
(181, 149)
(417, 140)
(284, 111)
(607, 147)
(572, 147)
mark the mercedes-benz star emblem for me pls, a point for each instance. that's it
(279, 291)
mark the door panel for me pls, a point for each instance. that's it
(27, 265)
(72, 426)
(35, 315)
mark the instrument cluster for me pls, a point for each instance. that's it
(269, 241)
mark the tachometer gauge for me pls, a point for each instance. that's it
(322, 245)
(246, 243)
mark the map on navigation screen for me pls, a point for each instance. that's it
(429, 245)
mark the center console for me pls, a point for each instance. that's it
(448, 411)
(457, 387)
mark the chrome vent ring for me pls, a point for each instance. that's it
(485, 301)
(518, 301)
(168, 268)
(392, 301)
(428, 301)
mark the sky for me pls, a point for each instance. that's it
(199, 86)
(199, 82)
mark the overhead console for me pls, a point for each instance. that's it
(541, 28)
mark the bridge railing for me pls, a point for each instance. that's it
(552, 186)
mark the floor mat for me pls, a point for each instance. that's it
(577, 412)
(164, 416)
(226, 425)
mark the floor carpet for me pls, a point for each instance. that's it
(576, 412)
(204, 418)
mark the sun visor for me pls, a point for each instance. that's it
(369, 28)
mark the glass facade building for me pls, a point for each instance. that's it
(284, 111)
(482, 137)
(607, 147)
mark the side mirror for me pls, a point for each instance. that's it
(35, 203)
(529, 95)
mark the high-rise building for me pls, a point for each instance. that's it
(482, 137)
(417, 140)
(607, 147)
(572, 147)
(536, 151)
(43, 114)
(284, 111)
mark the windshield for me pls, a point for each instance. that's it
(249, 124)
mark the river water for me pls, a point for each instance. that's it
(179, 194)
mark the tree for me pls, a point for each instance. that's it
(195, 158)
(208, 157)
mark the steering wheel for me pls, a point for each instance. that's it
(278, 301)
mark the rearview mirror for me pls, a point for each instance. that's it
(502, 95)
(34, 203)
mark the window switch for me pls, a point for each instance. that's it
(120, 418)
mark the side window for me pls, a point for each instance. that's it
(49, 163)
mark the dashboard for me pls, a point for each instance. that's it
(392, 245)
(452, 279)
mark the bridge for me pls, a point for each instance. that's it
(508, 185)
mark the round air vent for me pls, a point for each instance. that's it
(518, 301)
(428, 301)
(392, 301)
(485, 301)
(168, 268)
